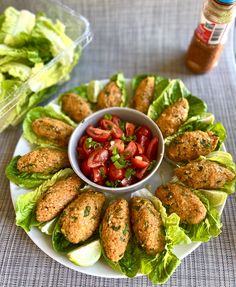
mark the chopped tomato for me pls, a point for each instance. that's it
(119, 144)
(82, 140)
(129, 129)
(97, 134)
(127, 181)
(116, 174)
(139, 162)
(81, 153)
(140, 149)
(140, 172)
(86, 170)
(97, 175)
(116, 120)
(152, 149)
(98, 158)
(144, 142)
(109, 125)
(143, 131)
(130, 150)
(87, 150)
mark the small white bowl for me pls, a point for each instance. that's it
(125, 114)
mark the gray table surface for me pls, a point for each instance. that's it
(134, 37)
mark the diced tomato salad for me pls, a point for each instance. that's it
(117, 153)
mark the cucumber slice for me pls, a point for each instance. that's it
(86, 255)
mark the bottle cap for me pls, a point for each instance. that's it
(226, 1)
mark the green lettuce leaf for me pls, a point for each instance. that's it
(39, 112)
(170, 92)
(120, 81)
(24, 179)
(199, 122)
(17, 27)
(225, 159)
(62, 245)
(209, 227)
(218, 130)
(16, 70)
(26, 203)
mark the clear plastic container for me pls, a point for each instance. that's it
(77, 28)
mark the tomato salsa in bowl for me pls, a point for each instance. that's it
(116, 150)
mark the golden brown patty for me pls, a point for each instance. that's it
(56, 198)
(43, 160)
(182, 201)
(82, 216)
(115, 229)
(191, 145)
(173, 117)
(55, 131)
(75, 107)
(147, 225)
(110, 96)
(143, 95)
(204, 174)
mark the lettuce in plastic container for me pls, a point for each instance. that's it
(28, 43)
(158, 267)
(26, 203)
(40, 112)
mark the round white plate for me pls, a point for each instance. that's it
(43, 241)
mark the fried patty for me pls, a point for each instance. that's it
(115, 232)
(56, 198)
(53, 130)
(182, 201)
(43, 160)
(204, 174)
(147, 225)
(81, 217)
(143, 95)
(173, 117)
(110, 96)
(190, 145)
(76, 107)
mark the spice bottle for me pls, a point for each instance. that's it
(210, 36)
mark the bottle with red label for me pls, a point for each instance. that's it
(210, 36)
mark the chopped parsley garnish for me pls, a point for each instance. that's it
(122, 125)
(113, 183)
(129, 172)
(129, 138)
(152, 165)
(126, 229)
(90, 143)
(115, 228)
(107, 116)
(87, 211)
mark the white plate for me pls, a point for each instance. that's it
(101, 269)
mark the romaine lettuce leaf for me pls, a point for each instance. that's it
(16, 70)
(62, 245)
(26, 203)
(173, 91)
(39, 112)
(120, 81)
(218, 130)
(17, 27)
(209, 227)
(24, 179)
(225, 159)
